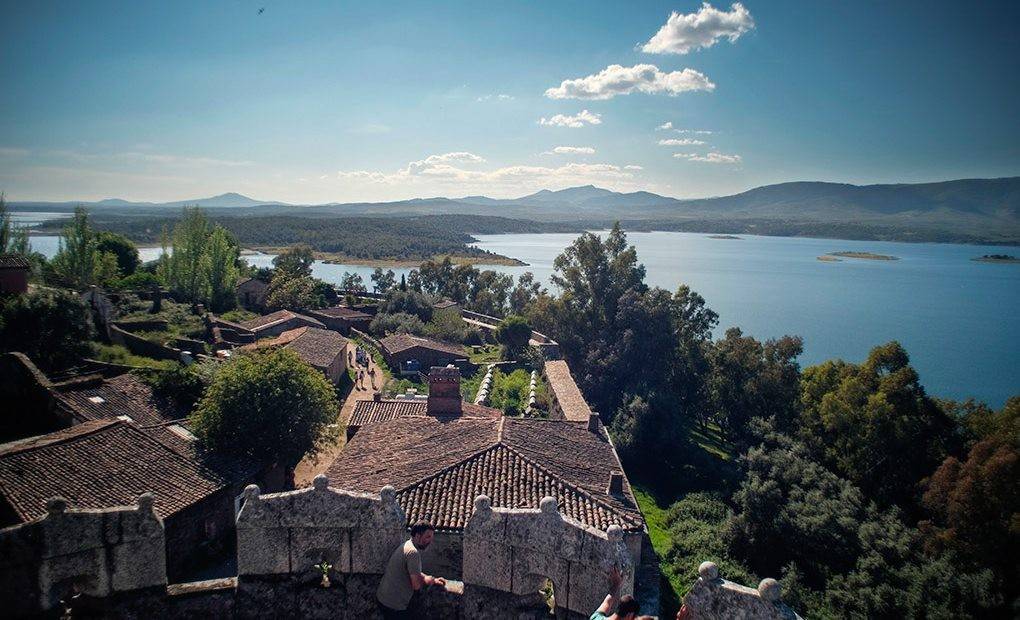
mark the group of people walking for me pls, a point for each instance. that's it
(360, 360)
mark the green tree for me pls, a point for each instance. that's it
(874, 424)
(296, 261)
(53, 327)
(222, 270)
(513, 333)
(524, 293)
(396, 323)
(383, 281)
(268, 406)
(410, 302)
(121, 247)
(13, 239)
(352, 282)
(79, 262)
(185, 270)
(296, 293)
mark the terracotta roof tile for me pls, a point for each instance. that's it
(341, 312)
(264, 322)
(438, 466)
(318, 347)
(97, 465)
(123, 395)
(402, 342)
(14, 261)
(375, 411)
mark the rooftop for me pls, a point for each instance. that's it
(375, 411)
(439, 465)
(342, 312)
(95, 398)
(99, 464)
(402, 342)
(264, 322)
(14, 261)
(318, 347)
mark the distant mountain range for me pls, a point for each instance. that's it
(980, 209)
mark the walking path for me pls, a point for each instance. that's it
(310, 467)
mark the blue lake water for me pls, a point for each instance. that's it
(957, 318)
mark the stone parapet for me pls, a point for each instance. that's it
(290, 533)
(516, 550)
(714, 598)
(95, 553)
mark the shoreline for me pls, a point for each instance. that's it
(332, 258)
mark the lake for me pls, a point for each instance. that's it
(957, 318)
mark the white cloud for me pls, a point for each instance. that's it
(681, 142)
(682, 34)
(665, 126)
(618, 80)
(571, 150)
(711, 158)
(697, 132)
(633, 167)
(499, 97)
(575, 121)
(431, 170)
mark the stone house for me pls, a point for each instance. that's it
(408, 354)
(342, 319)
(322, 349)
(106, 463)
(14, 270)
(439, 461)
(276, 323)
(446, 305)
(251, 293)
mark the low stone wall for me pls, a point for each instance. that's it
(141, 346)
(98, 553)
(713, 598)
(515, 550)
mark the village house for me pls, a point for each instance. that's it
(276, 323)
(444, 401)
(251, 293)
(441, 454)
(446, 305)
(408, 354)
(342, 319)
(110, 462)
(322, 349)
(14, 270)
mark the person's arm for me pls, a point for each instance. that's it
(419, 579)
(609, 603)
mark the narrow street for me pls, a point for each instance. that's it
(310, 467)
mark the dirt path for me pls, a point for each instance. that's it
(310, 467)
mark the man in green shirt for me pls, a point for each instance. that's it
(627, 608)
(403, 576)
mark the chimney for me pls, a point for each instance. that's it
(594, 422)
(444, 391)
(616, 483)
(377, 396)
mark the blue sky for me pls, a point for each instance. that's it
(322, 102)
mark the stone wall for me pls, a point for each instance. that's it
(98, 553)
(515, 550)
(714, 598)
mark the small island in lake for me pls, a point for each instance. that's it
(723, 237)
(863, 255)
(825, 258)
(997, 258)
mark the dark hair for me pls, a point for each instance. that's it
(420, 527)
(628, 605)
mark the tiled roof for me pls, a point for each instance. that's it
(445, 303)
(263, 322)
(14, 261)
(341, 312)
(438, 466)
(97, 465)
(402, 342)
(318, 347)
(375, 411)
(123, 395)
(565, 391)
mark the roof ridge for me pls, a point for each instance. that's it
(559, 479)
(450, 467)
(68, 434)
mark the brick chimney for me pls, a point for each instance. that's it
(444, 391)
(616, 483)
(594, 422)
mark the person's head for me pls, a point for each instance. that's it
(628, 609)
(422, 533)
